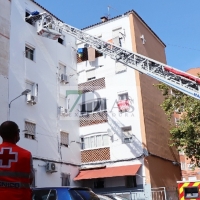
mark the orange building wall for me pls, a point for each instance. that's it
(154, 123)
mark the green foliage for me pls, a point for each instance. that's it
(185, 134)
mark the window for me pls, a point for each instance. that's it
(65, 179)
(123, 96)
(117, 36)
(60, 40)
(29, 51)
(131, 181)
(27, 14)
(95, 141)
(97, 105)
(30, 130)
(64, 138)
(190, 166)
(99, 183)
(183, 166)
(32, 97)
(127, 134)
(90, 74)
(63, 105)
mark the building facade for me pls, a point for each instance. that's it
(4, 56)
(47, 68)
(188, 171)
(121, 122)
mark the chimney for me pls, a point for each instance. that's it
(104, 19)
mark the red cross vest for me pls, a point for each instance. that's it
(15, 172)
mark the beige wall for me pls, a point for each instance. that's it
(154, 123)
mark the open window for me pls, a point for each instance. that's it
(90, 107)
(30, 52)
(123, 102)
(32, 96)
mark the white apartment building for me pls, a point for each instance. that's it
(118, 122)
(47, 68)
(4, 56)
(120, 118)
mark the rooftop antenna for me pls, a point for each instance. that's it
(108, 12)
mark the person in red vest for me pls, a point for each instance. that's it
(16, 169)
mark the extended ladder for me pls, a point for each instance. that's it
(184, 82)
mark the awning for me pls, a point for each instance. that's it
(128, 170)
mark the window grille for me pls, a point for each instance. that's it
(30, 130)
(64, 137)
(65, 178)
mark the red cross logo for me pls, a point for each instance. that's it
(7, 157)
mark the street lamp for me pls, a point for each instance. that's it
(25, 92)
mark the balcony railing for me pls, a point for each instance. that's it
(93, 155)
(123, 105)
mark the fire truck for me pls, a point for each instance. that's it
(50, 27)
(189, 190)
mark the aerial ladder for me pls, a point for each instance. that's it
(50, 27)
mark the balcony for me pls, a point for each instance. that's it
(123, 105)
(82, 55)
(90, 86)
(94, 155)
(93, 118)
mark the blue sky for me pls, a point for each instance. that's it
(176, 22)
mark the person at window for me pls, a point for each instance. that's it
(16, 169)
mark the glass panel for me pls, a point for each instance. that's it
(191, 192)
(90, 107)
(105, 140)
(82, 194)
(86, 142)
(103, 104)
(97, 106)
(92, 141)
(43, 194)
(83, 108)
(99, 140)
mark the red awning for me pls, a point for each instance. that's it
(128, 170)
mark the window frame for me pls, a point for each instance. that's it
(103, 107)
(28, 135)
(64, 177)
(27, 48)
(89, 137)
(62, 143)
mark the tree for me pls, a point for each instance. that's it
(185, 134)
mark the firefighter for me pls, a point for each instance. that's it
(16, 170)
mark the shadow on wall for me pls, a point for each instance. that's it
(135, 146)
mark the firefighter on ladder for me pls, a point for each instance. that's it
(16, 172)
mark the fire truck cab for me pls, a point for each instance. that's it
(189, 190)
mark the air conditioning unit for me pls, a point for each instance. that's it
(31, 99)
(51, 167)
(63, 78)
(63, 111)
